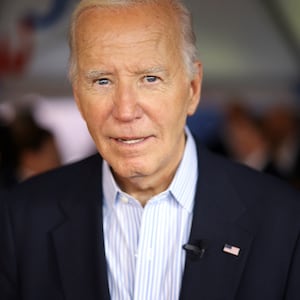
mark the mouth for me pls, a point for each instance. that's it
(130, 141)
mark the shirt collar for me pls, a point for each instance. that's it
(182, 187)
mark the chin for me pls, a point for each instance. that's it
(130, 171)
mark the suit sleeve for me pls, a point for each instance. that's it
(8, 265)
(293, 284)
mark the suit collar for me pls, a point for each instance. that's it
(217, 221)
(78, 240)
(220, 218)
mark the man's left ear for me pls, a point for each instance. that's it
(195, 88)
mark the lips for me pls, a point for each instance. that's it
(130, 141)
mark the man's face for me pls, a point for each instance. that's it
(133, 91)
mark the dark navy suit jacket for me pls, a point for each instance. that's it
(51, 239)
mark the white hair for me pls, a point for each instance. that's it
(179, 10)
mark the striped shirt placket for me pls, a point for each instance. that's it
(143, 246)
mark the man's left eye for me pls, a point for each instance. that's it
(151, 79)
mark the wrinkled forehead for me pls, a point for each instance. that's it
(140, 34)
(142, 15)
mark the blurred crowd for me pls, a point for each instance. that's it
(267, 141)
(26, 149)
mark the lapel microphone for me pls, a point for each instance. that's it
(195, 249)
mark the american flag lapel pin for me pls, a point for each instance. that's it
(231, 250)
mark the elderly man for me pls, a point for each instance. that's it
(154, 215)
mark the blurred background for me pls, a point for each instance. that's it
(250, 102)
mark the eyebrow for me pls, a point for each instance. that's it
(92, 74)
(156, 69)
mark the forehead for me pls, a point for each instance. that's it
(128, 23)
(146, 11)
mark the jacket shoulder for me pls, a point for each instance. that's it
(56, 182)
(250, 185)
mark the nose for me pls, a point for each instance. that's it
(126, 105)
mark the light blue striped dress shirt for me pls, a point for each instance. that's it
(143, 246)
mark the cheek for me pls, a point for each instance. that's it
(88, 102)
(179, 109)
(92, 111)
(170, 113)
(172, 123)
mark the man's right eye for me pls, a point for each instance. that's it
(103, 81)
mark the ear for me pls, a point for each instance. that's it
(195, 88)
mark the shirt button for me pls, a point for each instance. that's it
(124, 199)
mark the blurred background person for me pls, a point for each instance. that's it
(36, 147)
(7, 156)
(281, 125)
(28, 150)
(242, 138)
(245, 139)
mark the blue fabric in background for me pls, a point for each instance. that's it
(57, 9)
(205, 124)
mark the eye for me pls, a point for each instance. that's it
(103, 81)
(151, 79)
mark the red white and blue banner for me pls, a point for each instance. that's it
(33, 38)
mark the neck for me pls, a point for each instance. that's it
(144, 188)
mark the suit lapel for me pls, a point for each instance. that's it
(219, 218)
(78, 240)
(217, 214)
